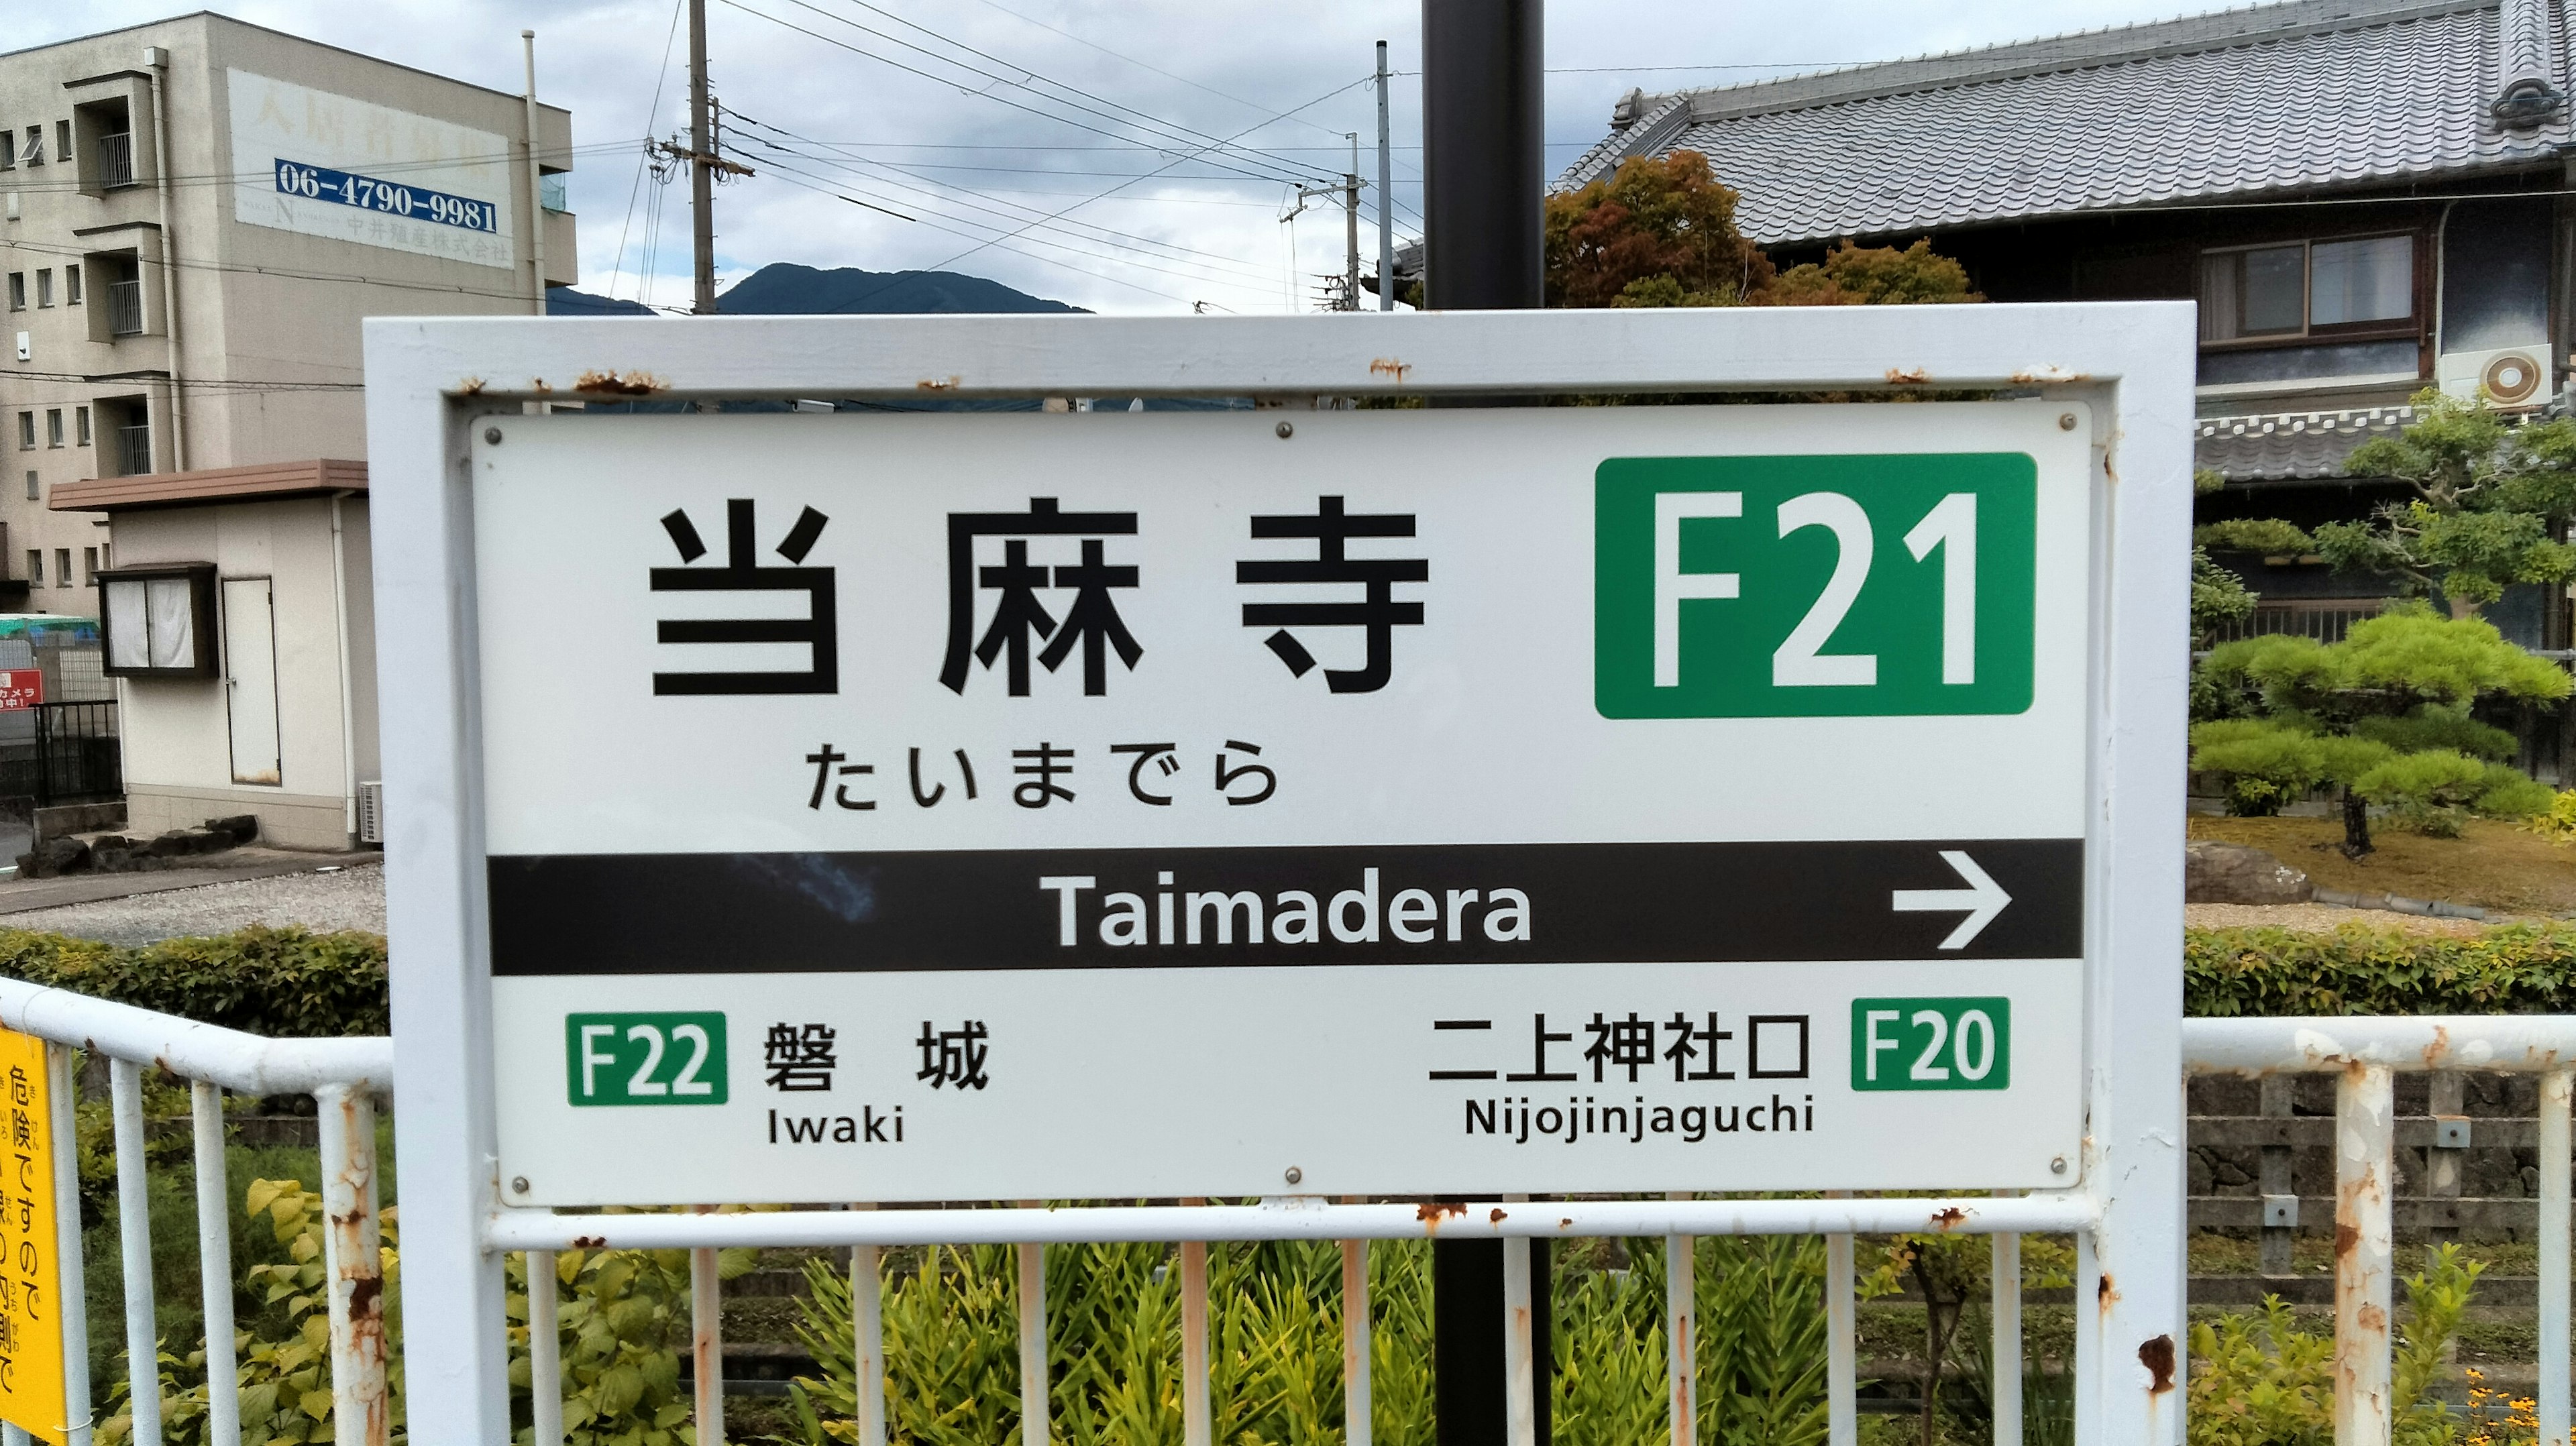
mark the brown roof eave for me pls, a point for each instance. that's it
(269, 482)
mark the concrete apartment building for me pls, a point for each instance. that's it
(197, 214)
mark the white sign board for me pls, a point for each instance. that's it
(1117, 805)
(328, 165)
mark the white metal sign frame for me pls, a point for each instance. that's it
(430, 381)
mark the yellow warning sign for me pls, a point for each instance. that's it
(31, 1333)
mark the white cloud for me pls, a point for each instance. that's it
(969, 167)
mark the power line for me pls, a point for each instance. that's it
(238, 178)
(962, 89)
(213, 384)
(280, 272)
(652, 122)
(1155, 122)
(1106, 232)
(1158, 70)
(1001, 233)
(962, 255)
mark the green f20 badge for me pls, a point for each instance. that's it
(1843, 586)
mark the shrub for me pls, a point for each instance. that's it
(2258, 1380)
(2556, 823)
(2520, 969)
(2267, 535)
(282, 983)
(2434, 792)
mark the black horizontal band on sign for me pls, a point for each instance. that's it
(1587, 903)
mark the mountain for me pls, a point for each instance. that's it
(785, 289)
(564, 301)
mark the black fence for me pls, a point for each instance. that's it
(61, 753)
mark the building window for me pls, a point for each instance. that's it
(26, 431)
(89, 564)
(35, 563)
(35, 145)
(63, 139)
(62, 567)
(2296, 290)
(80, 425)
(35, 489)
(45, 287)
(71, 285)
(17, 291)
(53, 426)
(8, 150)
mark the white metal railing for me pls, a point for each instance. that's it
(346, 1075)
(343, 1075)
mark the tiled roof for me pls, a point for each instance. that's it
(2312, 94)
(2283, 445)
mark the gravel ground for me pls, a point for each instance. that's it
(2324, 918)
(354, 898)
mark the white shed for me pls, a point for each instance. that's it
(236, 618)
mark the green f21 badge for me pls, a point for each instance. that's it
(1843, 586)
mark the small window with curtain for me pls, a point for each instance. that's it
(71, 285)
(156, 621)
(53, 426)
(35, 561)
(44, 287)
(2362, 286)
(62, 567)
(89, 564)
(80, 426)
(26, 431)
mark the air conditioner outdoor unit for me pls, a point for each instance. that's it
(2514, 376)
(371, 813)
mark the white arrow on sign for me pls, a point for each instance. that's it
(1983, 899)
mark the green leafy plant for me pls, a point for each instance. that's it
(1113, 1332)
(284, 1375)
(621, 1334)
(2556, 823)
(2217, 596)
(2259, 1380)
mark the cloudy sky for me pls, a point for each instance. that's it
(1069, 148)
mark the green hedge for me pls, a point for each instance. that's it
(289, 983)
(283, 983)
(2518, 969)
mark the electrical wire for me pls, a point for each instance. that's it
(652, 122)
(943, 80)
(1104, 231)
(826, 186)
(962, 255)
(1158, 70)
(1150, 121)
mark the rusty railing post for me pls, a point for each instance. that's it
(354, 1257)
(1357, 1430)
(867, 1332)
(1681, 1333)
(2365, 1159)
(706, 1340)
(1198, 1426)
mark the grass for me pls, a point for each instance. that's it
(2492, 865)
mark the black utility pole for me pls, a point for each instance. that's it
(1484, 163)
(1484, 154)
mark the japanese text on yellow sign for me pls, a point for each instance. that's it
(31, 1337)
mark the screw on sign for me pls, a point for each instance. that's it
(21, 688)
